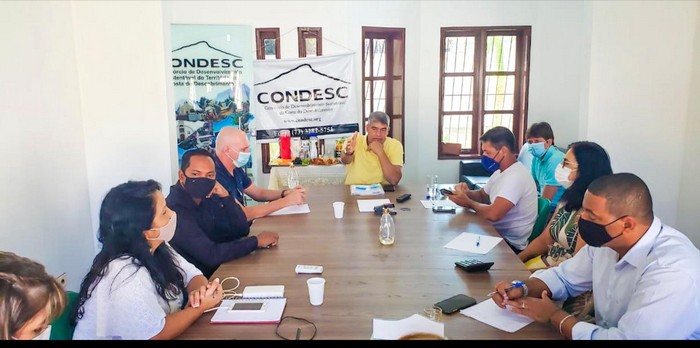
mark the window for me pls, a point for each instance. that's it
(268, 47)
(383, 74)
(483, 83)
(310, 44)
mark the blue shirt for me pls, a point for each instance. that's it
(234, 183)
(543, 172)
(653, 292)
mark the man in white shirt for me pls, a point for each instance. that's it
(645, 275)
(509, 198)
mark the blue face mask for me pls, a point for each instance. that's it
(537, 149)
(243, 158)
(489, 163)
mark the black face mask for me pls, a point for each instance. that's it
(595, 234)
(199, 187)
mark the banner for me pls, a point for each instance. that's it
(305, 95)
(211, 81)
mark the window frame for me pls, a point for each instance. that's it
(260, 35)
(310, 32)
(390, 34)
(478, 112)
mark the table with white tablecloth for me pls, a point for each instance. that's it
(311, 175)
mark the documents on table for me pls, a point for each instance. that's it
(427, 204)
(366, 190)
(489, 313)
(395, 329)
(468, 242)
(367, 205)
(271, 311)
(293, 209)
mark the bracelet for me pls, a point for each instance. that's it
(282, 193)
(562, 323)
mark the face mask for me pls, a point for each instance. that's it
(199, 187)
(561, 174)
(595, 234)
(537, 149)
(243, 158)
(168, 231)
(489, 163)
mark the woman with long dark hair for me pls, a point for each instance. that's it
(584, 162)
(138, 286)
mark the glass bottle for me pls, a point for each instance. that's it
(293, 177)
(387, 230)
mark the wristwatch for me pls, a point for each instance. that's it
(519, 284)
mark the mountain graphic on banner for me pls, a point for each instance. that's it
(299, 67)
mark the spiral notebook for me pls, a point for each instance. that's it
(259, 310)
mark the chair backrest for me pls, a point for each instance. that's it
(542, 214)
(61, 329)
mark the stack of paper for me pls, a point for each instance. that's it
(489, 313)
(366, 190)
(395, 329)
(367, 205)
(293, 209)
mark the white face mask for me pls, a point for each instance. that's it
(561, 174)
(243, 158)
(168, 231)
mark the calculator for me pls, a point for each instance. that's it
(473, 265)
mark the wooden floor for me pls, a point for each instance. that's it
(364, 279)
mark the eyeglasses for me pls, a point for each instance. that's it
(296, 328)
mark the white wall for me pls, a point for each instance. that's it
(44, 210)
(120, 50)
(689, 190)
(639, 91)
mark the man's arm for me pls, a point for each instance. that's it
(549, 192)
(492, 212)
(263, 195)
(291, 197)
(392, 172)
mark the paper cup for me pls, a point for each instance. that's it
(316, 288)
(338, 208)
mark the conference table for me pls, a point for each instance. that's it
(364, 279)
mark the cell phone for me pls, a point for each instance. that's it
(444, 209)
(247, 306)
(388, 188)
(455, 303)
(446, 192)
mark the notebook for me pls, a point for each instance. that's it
(250, 311)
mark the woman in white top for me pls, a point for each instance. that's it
(138, 286)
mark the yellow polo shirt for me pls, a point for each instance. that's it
(365, 168)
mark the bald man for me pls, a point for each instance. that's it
(232, 154)
(645, 275)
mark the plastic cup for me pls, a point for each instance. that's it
(433, 313)
(338, 208)
(316, 288)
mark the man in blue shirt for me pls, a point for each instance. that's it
(232, 155)
(545, 159)
(645, 275)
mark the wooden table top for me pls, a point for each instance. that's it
(364, 279)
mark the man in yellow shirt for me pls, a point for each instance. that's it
(373, 158)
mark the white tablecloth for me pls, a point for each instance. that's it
(308, 175)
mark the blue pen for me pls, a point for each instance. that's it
(515, 284)
(478, 240)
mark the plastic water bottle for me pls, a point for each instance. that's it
(387, 230)
(313, 146)
(293, 177)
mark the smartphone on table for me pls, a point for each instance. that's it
(455, 303)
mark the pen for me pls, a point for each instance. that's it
(515, 285)
(298, 333)
(478, 240)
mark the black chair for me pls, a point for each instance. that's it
(473, 173)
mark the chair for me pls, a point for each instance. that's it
(541, 221)
(61, 328)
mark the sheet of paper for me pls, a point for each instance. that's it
(444, 202)
(367, 205)
(489, 313)
(293, 209)
(366, 190)
(394, 329)
(467, 242)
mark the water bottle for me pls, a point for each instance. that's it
(313, 146)
(293, 177)
(387, 230)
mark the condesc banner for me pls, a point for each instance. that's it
(305, 95)
(211, 81)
